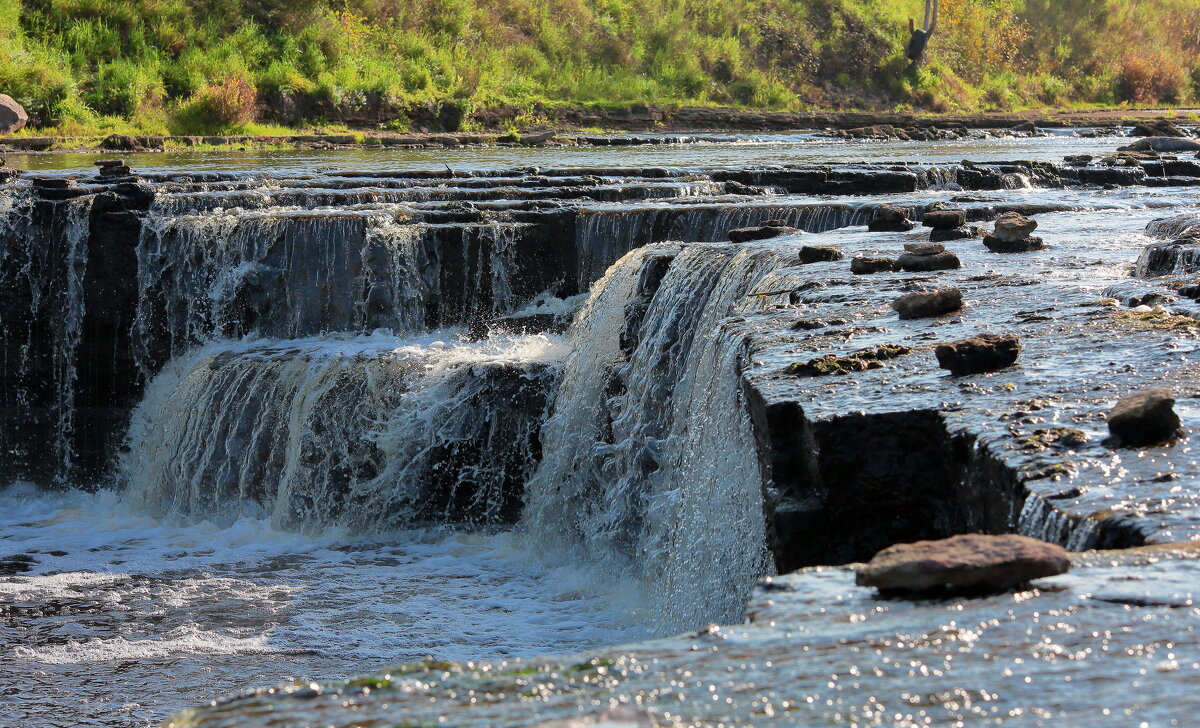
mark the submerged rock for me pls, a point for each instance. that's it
(1145, 418)
(858, 361)
(820, 253)
(1172, 257)
(861, 265)
(761, 232)
(965, 563)
(978, 354)
(928, 304)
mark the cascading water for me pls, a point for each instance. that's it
(43, 260)
(369, 434)
(650, 465)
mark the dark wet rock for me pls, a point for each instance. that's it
(1145, 418)
(117, 170)
(944, 260)
(1190, 291)
(961, 233)
(978, 354)
(1160, 128)
(860, 265)
(120, 143)
(1026, 126)
(965, 563)
(858, 361)
(998, 245)
(927, 304)
(1154, 298)
(18, 564)
(1078, 159)
(820, 254)
(1172, 228)
(733, 187)
(12, 115)
(762, 232)
(53, 183)
(888, 218)
(944, 219)
(1161, 144)
(109, 162)
(1167, 258)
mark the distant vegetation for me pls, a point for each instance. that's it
(190, 66)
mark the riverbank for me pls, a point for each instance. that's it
(618, 126)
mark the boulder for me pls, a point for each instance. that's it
(866, 266)
(890, 219)
(1026, 126)
(965, 563)
(999, 245)
(120, 143)
(978, 354)
(944, 219)
(12, 115)
(1160, 128)
(939, 235)
(944, 260)
(1013, 226)
(1145, 418)
(927, 304)
(820, 254)
(1161, 144)
(761, 232)
(1173, 228)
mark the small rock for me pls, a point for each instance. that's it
(12, 115)
(939, 235)
(866, 266)
(820, 253)
(1145, 418)
(761, 232)
(110, 162)
(914, 263)
(118, 170)
(965, 563)
(1026, 126)
(978, 354)
(889, 218)
(999, 245)
(1078, 160)
(944, 219)
(927, 304)
(924, 248)
(1012, 227)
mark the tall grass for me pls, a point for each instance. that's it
(208, 65)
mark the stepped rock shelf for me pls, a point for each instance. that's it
(117, 288)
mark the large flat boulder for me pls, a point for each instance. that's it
(969, 562)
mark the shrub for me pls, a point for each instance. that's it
(221, 106)
(1151, 78)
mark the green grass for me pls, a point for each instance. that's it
(219, 66)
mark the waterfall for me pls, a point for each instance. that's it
(43, 261)
(292, 273)
(649, 463)
(367, 433)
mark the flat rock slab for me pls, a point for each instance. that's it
(861, 265)
(1145, 418)
(928, 304)
(970, 562)
(924, 248)
(978, 354)
(945, 219)
(915, 263)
